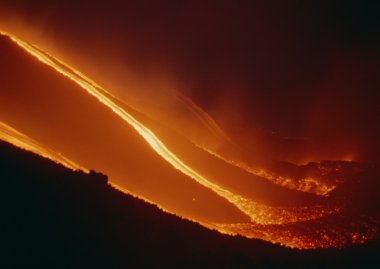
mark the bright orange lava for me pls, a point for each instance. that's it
(276, 224)
(11, 135)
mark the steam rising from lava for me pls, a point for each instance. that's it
(280, 224)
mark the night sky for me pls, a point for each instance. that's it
(304, 73)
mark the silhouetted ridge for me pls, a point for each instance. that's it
(53, 217)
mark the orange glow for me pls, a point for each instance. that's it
(302, 236)
(20, 140)
(287, 225)
(258, 213)
(309, 185)
(271, 233)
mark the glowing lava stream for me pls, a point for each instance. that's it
(20, 140)
(288, 235)
(308, 185)
(258, 213)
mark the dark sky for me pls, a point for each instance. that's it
(294, 69)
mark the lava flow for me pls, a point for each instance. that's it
(257, 212)
(307, 184)
(293, 226)
(12, 136)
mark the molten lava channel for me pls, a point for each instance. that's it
(258, 213)
(274, 224)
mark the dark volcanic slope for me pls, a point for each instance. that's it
(55, 218)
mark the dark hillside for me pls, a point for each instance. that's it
(52, 217)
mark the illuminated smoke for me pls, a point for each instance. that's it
(204, 117)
